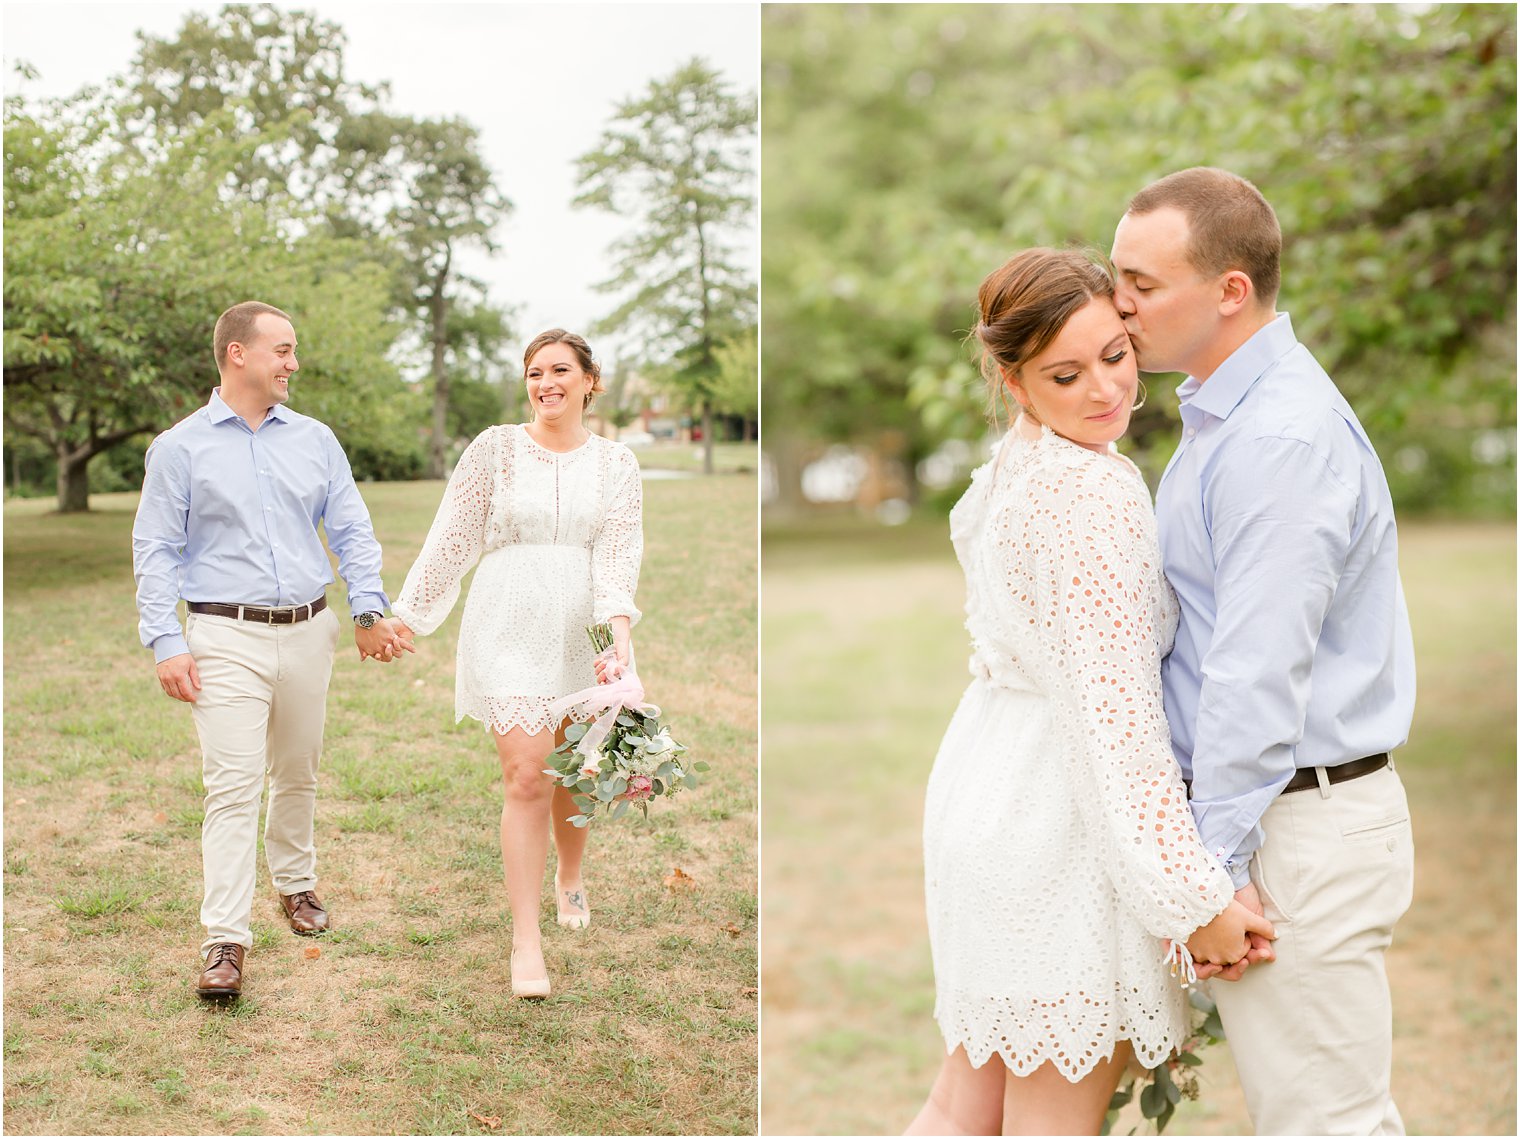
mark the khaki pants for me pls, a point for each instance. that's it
(260, 710)
(1312, 1031)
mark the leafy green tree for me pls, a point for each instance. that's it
(677, 159)
(736, 391)
(110, 258)
(417, 188)
(441, 197)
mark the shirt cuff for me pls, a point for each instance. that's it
(169, 645)
(1239, 872)
(369, 603)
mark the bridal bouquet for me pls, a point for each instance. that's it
(1162, 1088)
(626, 756)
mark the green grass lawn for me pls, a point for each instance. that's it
(864, 660)
(400, 1022)
(728, 458)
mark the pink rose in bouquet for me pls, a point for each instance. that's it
(640, 787)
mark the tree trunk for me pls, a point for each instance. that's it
(438, 307)
(73, 479)
(707, 437)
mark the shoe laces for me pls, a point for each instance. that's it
(221, 954)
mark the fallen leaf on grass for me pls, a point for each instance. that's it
(678, 880)
(313, 952)
(160, 818)
(750, 991)
(731, 929)
(491, 1121)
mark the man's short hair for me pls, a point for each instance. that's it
(238, 324)
(1230, 225)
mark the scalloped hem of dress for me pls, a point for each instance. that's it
(1077, 1062)
(532, 726)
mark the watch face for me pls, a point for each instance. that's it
(366, 620)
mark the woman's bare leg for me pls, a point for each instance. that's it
(1046, 1103)
(570, 848)
(526, 795)
(964, 1100)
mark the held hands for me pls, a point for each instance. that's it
(385, 640)
(1236, 939)
(179, 677)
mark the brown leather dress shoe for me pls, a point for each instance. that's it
(222, 977)
(305, 913)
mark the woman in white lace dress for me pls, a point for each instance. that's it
(1059, 850)
(552, 513)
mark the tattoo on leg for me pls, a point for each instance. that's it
(576, 899)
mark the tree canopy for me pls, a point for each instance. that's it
(677, 159)
(910, 149)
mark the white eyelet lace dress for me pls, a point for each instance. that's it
(558, 536)
(1058, 844)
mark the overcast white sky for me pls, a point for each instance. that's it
(538, 80)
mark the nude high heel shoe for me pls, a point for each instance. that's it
(535, 990)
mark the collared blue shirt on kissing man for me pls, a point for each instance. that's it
(1284, 557)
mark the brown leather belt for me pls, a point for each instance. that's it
(1305, 778)
(290, 616)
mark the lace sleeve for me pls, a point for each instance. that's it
(1091, 540)
(454, 542)
(619, 544)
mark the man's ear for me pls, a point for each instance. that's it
(1236, 292)
(236, 354)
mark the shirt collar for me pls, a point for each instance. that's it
(217, 408)
(1241, 369)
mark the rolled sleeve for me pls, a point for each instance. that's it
(351, 535)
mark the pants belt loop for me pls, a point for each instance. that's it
(240, 612)
(1324, 782)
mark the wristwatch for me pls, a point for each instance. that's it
(366, 620)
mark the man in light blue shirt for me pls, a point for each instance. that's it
(1292, 676)
(231, 501)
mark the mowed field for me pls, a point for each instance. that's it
(864, 660)
(400, 1020)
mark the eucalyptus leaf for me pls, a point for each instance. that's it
(1168, 1087)
(620, 809)
(690, 781)
(579, 820)
(1152, 1101)
(574, 732)
(700, 765)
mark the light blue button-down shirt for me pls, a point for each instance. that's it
(1277, 533)
(230, 515)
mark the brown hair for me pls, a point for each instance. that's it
(238, 324)
(1230, 225)
(577, 345)
(1026, 302)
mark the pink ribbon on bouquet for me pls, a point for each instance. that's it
(622, 692)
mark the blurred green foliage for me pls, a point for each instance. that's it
(910, 149)
(234, 161)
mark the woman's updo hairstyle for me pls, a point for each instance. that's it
(577, 345)
(1026, 302)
